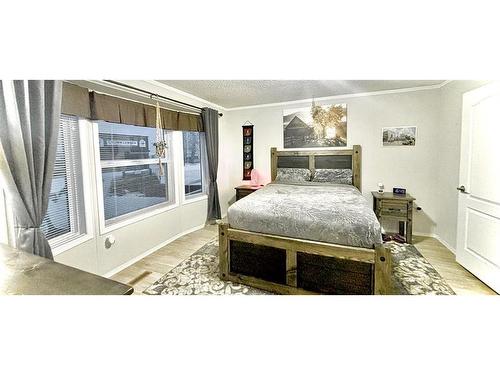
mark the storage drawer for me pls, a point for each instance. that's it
(393, 212)
(333, 275)
(242, 194)
(393, 204)
(258, 261)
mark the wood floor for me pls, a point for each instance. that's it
(149, 269)
(145, 272)
(443, 260)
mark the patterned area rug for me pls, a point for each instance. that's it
(197, 275)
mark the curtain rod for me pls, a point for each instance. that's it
(153, 94)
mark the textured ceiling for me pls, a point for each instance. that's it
(234, 93)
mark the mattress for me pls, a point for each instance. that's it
(332, 213)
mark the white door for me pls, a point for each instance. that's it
(478, 230)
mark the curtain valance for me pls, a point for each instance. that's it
(190, 122)
(81, 102)
(75, 100)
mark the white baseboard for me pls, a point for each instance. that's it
(424, 234)
(446, 244)
(433, 235)
(150, 251)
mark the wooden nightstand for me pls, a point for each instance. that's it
(396, 207)
(244, 190)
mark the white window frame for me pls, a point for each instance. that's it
(135, 216)
(60, 244)
(203, 195)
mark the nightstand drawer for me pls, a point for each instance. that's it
(393, 212)
(393, 205)
(241, 194)
(244, 190)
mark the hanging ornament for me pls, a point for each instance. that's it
(160, 144)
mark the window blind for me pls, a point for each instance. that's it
(132, 188)
(130, 174)
(64, 220)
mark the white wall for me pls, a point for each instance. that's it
(140, 237)
(429, 171)
(410, 167)
(449, 132)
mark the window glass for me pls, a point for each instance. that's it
(126, 142)
(132, 188)
(193, 176)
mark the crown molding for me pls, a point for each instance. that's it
(301, 101)
(444, 83)
(343, 96)
(186, 94)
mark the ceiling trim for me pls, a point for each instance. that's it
(301, 101)
(186, 94)
(344, 96)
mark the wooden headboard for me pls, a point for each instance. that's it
(315, 159)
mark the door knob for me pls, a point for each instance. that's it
(462, 189)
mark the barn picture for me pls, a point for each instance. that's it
(317, 126)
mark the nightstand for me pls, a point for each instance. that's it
(244, 190)
(395, 207)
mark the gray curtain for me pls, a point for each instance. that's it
(210, 118)
(29, 121)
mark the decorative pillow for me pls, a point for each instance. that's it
(293, 175)
(335, 176)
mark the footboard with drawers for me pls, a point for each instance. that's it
(294, 266)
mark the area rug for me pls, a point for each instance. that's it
(198, 275)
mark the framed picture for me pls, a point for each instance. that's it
(316, 126)
(399, 136)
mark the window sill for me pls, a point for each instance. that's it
(136, 218)
(71, 244)
(195, 198)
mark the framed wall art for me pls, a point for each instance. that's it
(399, 136)
(316, 126)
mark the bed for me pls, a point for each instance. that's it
(305, 237)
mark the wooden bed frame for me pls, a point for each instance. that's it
(286, 265)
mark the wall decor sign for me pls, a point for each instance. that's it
(316, 126)
(399, 136)
(247, 150)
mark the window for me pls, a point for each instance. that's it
(193, 171)
(130, 172)
(65, 217)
